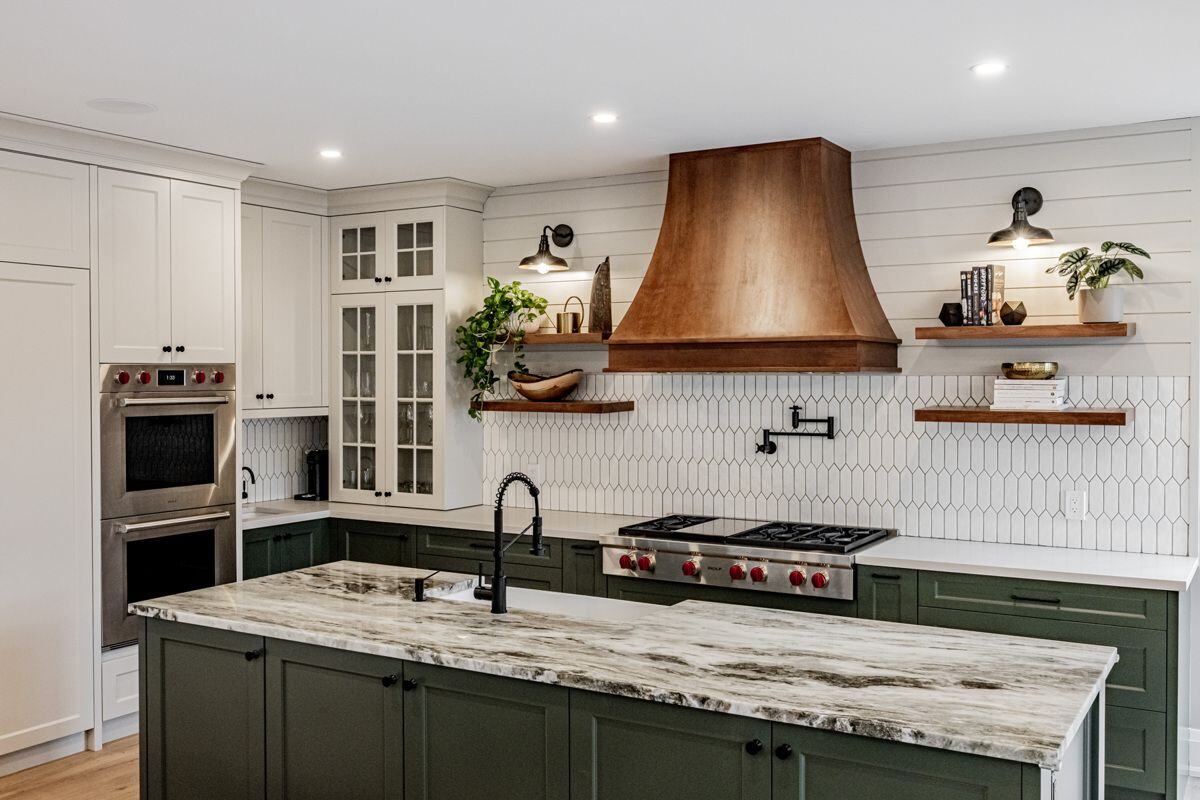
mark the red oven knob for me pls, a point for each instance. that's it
(143, 377)
(122, 377)
(737, 572)
(646, 563)
(218, 377)
(626, 561)
(198, 376)
(691, 569)
(758, 574)
(820, 580)
(796, 578)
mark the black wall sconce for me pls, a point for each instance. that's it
(543, 260)
(1020, 234)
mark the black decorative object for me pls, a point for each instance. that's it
(1020, 234)
(601, 306)
(769, 447)
(952, 315)
(1013, 315)
(543, 260)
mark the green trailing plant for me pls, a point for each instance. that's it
(1082, 266)
(506, 311)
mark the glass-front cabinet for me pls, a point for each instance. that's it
(415, 436)
(356, 430)
(394, 250)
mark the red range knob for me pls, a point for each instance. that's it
(646, 563)
(796, 578)
(758, 574)
(626, 561)
(198, 376)
(737, 572)
(691, 569)
(218, 377)
(820, 580)
(143, 377)
(122, 377)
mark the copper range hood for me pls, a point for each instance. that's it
(758, 268)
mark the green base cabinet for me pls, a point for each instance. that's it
(281, 548)
(887, 594)
(471, 735)
(333, 714)
(583, 568)
(375, 543)
(201, 719)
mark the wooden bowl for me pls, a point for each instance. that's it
(545, 387)
(1029, 370)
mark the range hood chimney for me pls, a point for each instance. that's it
(758, 268)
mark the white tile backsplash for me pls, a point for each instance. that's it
(689, 447)
(275, 448)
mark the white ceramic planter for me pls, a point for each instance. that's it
(1102, 305)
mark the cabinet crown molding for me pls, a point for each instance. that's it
(409, 194)
(285, 196)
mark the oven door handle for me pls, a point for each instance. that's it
(131, 527)
(171, 401)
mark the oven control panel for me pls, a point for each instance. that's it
(166, 377)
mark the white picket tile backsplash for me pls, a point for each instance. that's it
(274, 449)
(689, 447)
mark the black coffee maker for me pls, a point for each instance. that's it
(317, 466)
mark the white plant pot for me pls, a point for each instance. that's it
(1102, 305)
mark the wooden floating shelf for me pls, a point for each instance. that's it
(558, 406)
(565, 339)
(1093, 330)
(984, 414)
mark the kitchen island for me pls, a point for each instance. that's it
(333, 681)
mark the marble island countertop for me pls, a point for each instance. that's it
(1006, 697)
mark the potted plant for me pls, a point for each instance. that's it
(506, 311)
(1088, 275)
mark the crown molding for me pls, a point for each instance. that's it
(69, 143)
(286, 196)
(409, 194)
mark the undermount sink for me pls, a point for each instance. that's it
(567, 605)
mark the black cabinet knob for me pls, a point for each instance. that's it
(783, 752)
(379, 280)
(270, 396)
(387, 494)
(389, 680)
(258, 396)
(254, 655)
(178, 348)
(754, 746)
(408, 685)
(166, 348)
(387, 279)
(379, 494)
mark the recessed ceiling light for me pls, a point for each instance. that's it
(604, 118)
(115, 105)
(989, 68)
(331, 154)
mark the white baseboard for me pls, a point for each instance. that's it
(42, 754)
(120, 727)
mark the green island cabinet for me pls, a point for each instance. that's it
(237, 717)
(280, 548)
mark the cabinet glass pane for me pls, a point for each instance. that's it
(424, 327)
(349, 422)
(366, 466)
(424, 375)
(350, 240)
(367, 422)
(424, 234)
(349, 467)
(424, 423)
(404, 236)
(349, 376)
(366, 240)
(424, 262)
(367, 329)
(358, 253)
(349, 268)
(404, 470)
(349, 330)
(404, 327)
(404, 422)
(366, 378)
(404, 375)
(404, 264)
(424, 472)
(366, 266)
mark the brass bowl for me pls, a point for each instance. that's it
(545, 387)
(1029, 370)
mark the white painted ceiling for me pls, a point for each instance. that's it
(500, 92)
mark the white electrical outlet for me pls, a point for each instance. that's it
(1076, 504)
(534, 471)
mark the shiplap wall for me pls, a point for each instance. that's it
(924, 213)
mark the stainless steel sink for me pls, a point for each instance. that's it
(567, 605)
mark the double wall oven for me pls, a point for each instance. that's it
(167, 485)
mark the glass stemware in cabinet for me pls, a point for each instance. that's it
(424, 472)
(404, 470)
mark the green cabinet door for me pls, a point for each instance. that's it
(375, 543)
(280, 548)
(548, 579)
(623, 749)
(887, 594)
(258, 551)
(334, 724)
(470, 735)
(812, 764)
(201, 713)
(582, 569)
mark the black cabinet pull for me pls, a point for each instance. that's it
(270, 396)
(178, 348)
(258, 396)
(584, 548)
(1022, 598)
(388, 279)
(884, 576)
(379, 280)
(379, 494)
(408, 684)
(389, 680)
(254, 655)
(754, 746)
(166, 348)
(387, 494)
(783, 752)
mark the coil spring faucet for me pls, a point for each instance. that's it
(497, 590)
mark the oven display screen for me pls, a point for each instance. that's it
(170, 377)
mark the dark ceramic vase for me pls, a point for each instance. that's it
(952, 315)
(1012, 315)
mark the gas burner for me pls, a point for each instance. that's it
(674, 522)
(810, 536)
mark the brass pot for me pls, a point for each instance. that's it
(569, 321)
(1029, 370)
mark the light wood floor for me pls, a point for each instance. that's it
(111, 774)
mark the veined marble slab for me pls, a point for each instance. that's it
(1001, 696)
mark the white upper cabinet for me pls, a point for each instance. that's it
(284, 302)
(134, 268)
(167, 268)
(43, 211)
(203, 272)
(389, 251)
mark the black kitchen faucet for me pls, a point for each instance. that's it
(497, 590)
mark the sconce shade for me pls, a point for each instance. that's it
(1020, 234)
(543, 260)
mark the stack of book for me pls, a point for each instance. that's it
(982, 290)
(1040, 395)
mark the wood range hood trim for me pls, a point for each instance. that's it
(758, 268)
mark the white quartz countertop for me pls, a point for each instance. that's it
(1031, 562)
(1006, 697)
